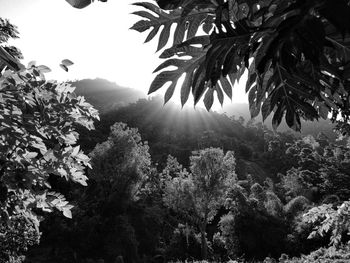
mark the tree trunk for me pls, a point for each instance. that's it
(204, 245)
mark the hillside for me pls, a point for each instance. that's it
(106, 95)
(307, 128)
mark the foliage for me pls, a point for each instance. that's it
(152, 221)
(318, 171)
(199, 194)
(38, 140)
(184, 244)
(38, 121)
(322, 255)
(16, 237)
(295, 52)
(9, 55)
(329, 220)
(241, 227)
(296, 205)
(120, 164)
(114, 215)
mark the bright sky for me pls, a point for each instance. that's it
(97, 39)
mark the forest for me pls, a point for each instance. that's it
(93, 172)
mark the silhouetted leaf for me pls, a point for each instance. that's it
(209, 99)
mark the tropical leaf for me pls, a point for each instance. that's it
(301, 59)
(186, 27)
(209, 99)
(187, 67)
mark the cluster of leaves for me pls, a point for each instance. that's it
(9, 55)
(328, 219)
(38, 139)
(296, 53)
(319, 169)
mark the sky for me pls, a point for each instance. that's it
(97, 39)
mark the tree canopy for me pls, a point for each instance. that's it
(202, 192)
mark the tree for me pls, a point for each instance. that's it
(38, 121)
(38, 140)
(121, 164)
(242, 229)
(201, 193)
(296, 54)
(120, 167)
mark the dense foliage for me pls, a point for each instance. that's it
(143, 205)
(201, 193)
(295, 52)
(38, 121)
(150, 207)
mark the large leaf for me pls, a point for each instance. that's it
(157, 18)
(301, 52)
(187, 67)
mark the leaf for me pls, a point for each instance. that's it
(254, 103)
(43, 69)
(226, 86)
(31, 64)
(277, 117)
(186, 88)
(220, 94)
(323, 111)
(169, 93)
(185, 67)
(209, 99)
(67, 213)
(79, 3)
(64, 67)
(266, 109)
(189, 24)
(67, 62)
(76, 150)
(31, 155)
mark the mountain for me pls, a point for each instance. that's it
(106, 95)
